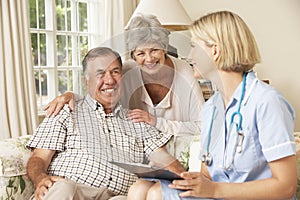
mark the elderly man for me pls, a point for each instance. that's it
(72, 150)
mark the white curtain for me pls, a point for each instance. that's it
(18, 112)
(117, 14)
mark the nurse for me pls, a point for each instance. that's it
(247, 142)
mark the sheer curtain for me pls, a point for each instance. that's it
(117, 14)
(18, 114)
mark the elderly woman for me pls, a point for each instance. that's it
(163, 91)
(158, 88)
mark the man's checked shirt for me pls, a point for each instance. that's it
(87, 138)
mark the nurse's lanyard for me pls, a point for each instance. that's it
(207, 158)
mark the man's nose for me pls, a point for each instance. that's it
(108, 78)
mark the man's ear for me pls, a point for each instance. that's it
(85, 80)
(216, 52)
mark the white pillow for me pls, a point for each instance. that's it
(194, 161)
(14, 183)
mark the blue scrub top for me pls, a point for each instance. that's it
(268, 127)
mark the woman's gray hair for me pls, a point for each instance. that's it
(144, 29)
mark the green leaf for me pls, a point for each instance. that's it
(11, 182)
(22, 184)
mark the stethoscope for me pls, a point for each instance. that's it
(206, 157)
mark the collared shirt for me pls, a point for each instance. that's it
(267, 125)
(86, 140)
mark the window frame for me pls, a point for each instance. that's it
(94, 36)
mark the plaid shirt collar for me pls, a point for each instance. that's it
(95, 105)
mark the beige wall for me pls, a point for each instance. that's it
(276, 26)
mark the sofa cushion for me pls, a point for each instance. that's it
(194, 159)
(14, 183)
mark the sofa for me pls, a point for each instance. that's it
(15, 184)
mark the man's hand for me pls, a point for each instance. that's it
(176, 167)
(138, 115)
(58, 103)
(37, 171)
(162, 159)
(43, 184)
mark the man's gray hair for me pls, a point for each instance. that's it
(98, 52)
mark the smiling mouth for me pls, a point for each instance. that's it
(108, 91)
(150, 66)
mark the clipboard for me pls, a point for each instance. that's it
(147, 171)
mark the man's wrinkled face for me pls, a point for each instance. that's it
(103, 80)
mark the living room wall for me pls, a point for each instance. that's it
(276, 27)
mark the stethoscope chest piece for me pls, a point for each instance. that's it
(207, 159)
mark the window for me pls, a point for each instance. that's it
(62, 31)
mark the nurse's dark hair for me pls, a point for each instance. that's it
(99, 52)
(238, 48)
